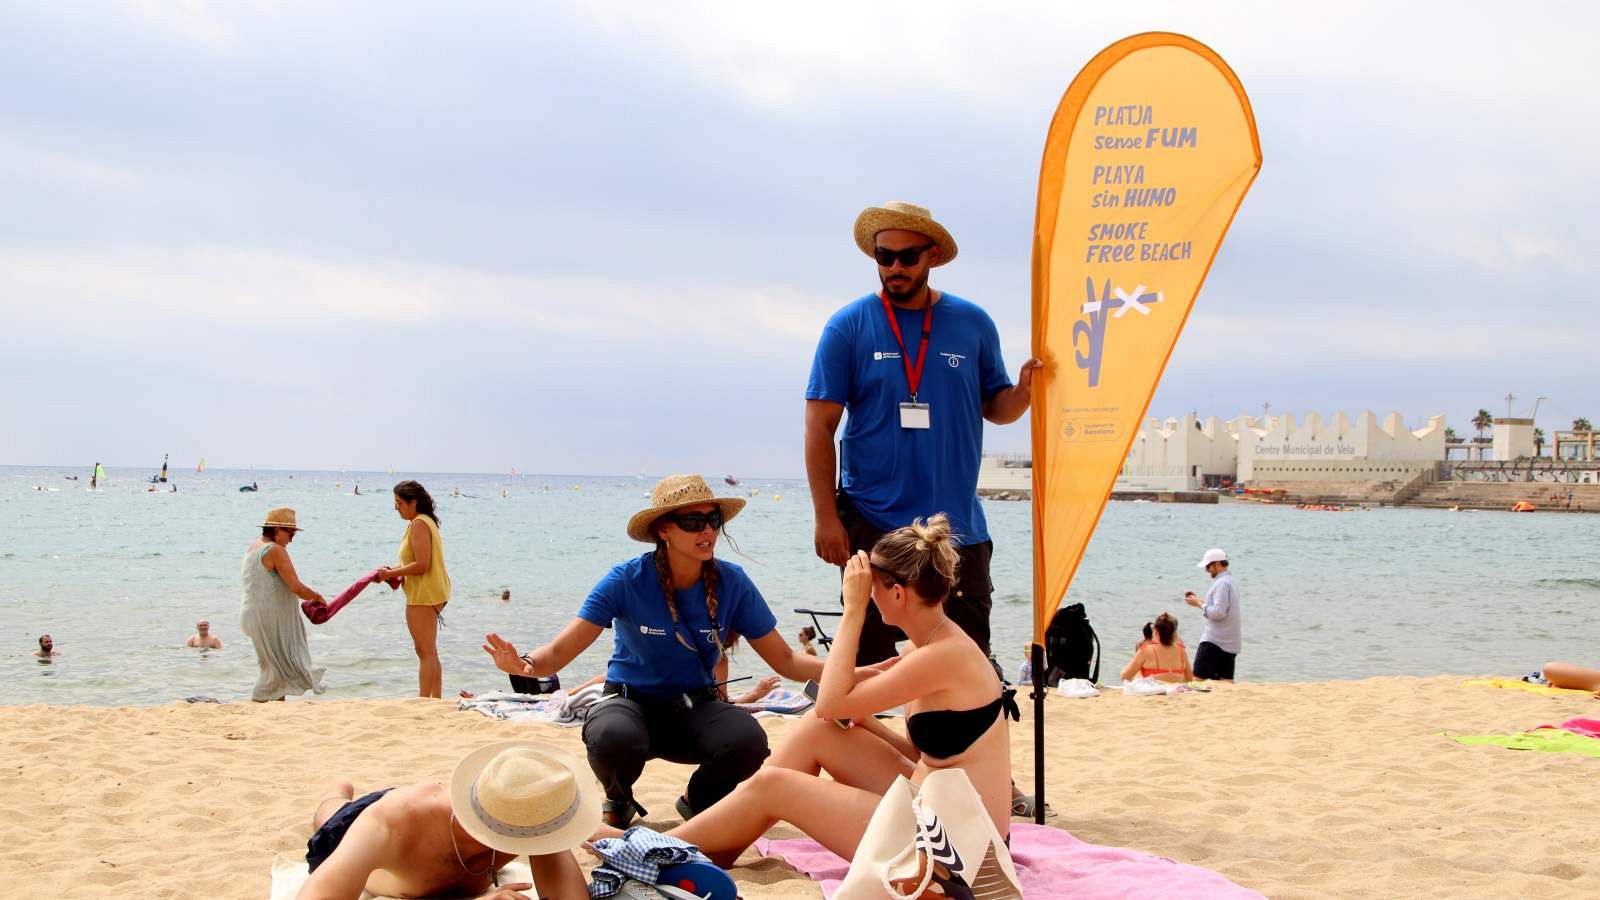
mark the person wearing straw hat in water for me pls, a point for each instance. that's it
(270, 616)
(504, 800)
(919, 371)
(675, 609)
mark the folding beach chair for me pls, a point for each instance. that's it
(822, 636)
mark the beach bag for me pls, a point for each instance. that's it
(936, 840)
(1069, 645)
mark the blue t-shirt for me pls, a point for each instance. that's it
(645, 655)
(894, 474)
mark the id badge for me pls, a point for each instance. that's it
(914, 415)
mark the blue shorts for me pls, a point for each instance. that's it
(327, 838)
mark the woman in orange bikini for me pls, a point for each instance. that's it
(1164, 658)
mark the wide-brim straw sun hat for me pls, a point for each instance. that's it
(525, 798)
(900, 215)
(675, 492)
(282, 517)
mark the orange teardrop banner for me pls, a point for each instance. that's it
(1149, 155)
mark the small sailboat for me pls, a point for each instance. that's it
(200, 466)
(162, 478)
(730, 480)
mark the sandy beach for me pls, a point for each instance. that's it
(1341, 789)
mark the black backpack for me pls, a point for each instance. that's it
(1069, 645)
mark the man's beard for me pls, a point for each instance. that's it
(901, 295)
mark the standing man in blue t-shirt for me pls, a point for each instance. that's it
(919, 371)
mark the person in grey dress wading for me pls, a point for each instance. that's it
(270, 614)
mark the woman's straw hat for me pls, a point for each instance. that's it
(520, 797)
(898, 214)
(282, 517)
(675, 492)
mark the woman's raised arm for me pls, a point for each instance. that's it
(547, 660)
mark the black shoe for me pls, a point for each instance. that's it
(619, 813)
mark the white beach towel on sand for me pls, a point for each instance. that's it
(289, 873)
(1079, 688)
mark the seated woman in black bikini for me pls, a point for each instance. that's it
(956, 713)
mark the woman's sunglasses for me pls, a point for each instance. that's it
(888, 574)
(907, 257)
(694, 523)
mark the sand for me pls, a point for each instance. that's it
(1341, 789)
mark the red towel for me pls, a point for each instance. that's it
(322, 612)
(1583, 727)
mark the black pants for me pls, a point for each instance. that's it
(968, 604)
(623, 732)
(1212, 662)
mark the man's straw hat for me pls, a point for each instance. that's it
(676, 492)
(521, 797)
(282, 517)
(898, 214)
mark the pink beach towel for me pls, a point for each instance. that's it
(1051, 863)
(1584, 727)
(319, 613)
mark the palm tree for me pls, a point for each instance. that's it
(1481, 421)
(1450, 436)
(1581, 424)
(1538, 442)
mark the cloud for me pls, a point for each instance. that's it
(565, 210)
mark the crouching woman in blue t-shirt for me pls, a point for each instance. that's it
(675, 610)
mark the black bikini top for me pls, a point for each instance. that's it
(944, 733)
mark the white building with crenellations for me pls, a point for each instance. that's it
(1188, 453)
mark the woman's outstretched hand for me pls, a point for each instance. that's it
(858, 581)
(505, 656)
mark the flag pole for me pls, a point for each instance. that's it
(1038, 734)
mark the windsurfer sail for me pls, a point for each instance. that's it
(201, 466)
(99, 473)
(162, 478)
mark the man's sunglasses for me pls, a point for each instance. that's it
(694, 523)
(907, 257)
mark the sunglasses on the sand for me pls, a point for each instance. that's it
(907, 257)
(697, 522)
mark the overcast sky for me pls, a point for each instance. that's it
(590, 238)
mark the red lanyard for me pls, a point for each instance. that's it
(913, 375)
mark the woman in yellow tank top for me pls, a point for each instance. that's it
(426, 582)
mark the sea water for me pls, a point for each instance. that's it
(119, 577)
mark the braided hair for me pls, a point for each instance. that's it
(708, 578)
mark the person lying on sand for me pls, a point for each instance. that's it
(430, 839)
(956, 712)
(1567, 675)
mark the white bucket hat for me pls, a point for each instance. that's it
(518, 797)
(1215, 554)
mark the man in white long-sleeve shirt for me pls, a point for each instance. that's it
(1220, 643)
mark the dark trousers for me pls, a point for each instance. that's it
(623, 732)
(967, 605)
